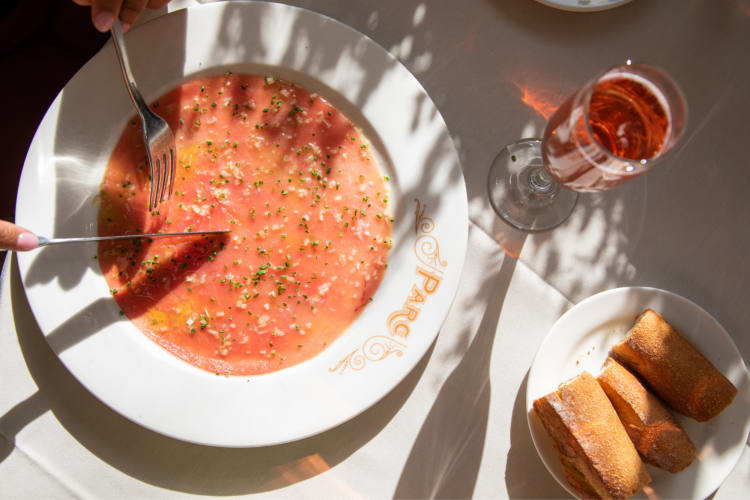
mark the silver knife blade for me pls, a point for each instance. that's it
(56, 241)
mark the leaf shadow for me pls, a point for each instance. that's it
(170, 463)
(139, 452)
(445, 458)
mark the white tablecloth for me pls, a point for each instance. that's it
(456, 426)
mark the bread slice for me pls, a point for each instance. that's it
(674, 369)
(597, 456)
(655, 433)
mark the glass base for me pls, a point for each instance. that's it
(522, 192)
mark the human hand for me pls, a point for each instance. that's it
(104, 12)
(14, 237)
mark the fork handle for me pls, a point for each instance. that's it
(149, 120)
(122, 56)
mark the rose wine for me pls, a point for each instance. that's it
(627, 123)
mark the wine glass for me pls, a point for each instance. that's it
(617, 126)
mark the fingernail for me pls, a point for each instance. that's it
(27, 241)
(103, 21)
(125, 27)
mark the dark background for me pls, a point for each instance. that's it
(43, 43)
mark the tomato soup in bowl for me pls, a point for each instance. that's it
(296, 182)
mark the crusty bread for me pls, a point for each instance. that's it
(674, 369)
(655, 433)
(597, 455)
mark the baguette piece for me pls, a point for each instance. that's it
(655, 433)
(674, 369)
(597, 456)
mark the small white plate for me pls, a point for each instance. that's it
(583, 5)
(581, 340)
(140, 380)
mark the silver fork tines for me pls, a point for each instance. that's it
(157, 136)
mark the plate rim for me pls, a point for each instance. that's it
(462, 246)
(584, 303)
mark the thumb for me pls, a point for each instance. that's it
(14, 237)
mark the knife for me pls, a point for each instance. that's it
(57, 241)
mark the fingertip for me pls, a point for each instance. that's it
(125, 26)
(103, 20)
(27, 241)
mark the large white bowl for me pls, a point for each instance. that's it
(129, 372)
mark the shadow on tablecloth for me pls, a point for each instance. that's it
(445, 459)
(525, 474)
(166, 462)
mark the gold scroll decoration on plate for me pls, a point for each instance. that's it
(429, 271)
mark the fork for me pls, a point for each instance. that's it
(157, 136)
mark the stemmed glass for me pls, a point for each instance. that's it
(617, 126)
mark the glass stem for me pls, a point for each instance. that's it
(540, 180)
(523, 192)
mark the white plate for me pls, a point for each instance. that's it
(584, 5)
(130, 373)
(581, 339)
